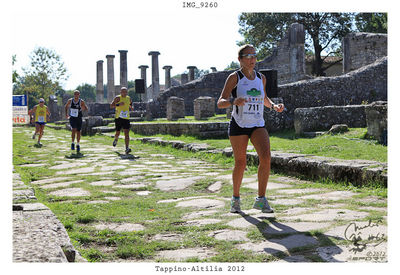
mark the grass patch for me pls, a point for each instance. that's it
(104, 245)
(349, 145)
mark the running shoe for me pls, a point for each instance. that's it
(262, 204)
(34, 135)
(72, 146)
(128, 150)
(115, 142)
(235, 205)
(78, 148)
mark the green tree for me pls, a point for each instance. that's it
(43, 77)
(371, 22)
(199, 73)
(15, 75)
(324, 32)
(233, 66)
(263, 30)
(88, 92)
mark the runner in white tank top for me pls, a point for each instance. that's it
(251, 113)
(248, 100)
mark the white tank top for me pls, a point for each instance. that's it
(252, 113)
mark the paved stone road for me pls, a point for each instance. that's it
(288, 234)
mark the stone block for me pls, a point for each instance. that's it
(322, 118)
(376, 116)
(204, 107)
(338, 128)
(175, 108)
(88, 123)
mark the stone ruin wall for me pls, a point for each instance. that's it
(288, 58)
(361, 49)
(365, 85)
(208, 85)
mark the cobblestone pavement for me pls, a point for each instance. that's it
(309, 224)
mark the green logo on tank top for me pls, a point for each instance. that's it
(253, 92)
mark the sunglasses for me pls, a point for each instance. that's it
(249, 55)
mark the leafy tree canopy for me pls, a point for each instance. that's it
(323, 31)
(42, 78)
(371, 22)
(233, 66)
(88, 92)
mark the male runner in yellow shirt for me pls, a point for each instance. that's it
(122, 104)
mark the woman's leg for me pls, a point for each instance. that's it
(239, 146)
(260, 139)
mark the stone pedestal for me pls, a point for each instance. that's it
(99, 82)
(167, 76)
(175, 108)
(204, 107)
(110, 78)
(191, 72)
(89, 122)
(54, 109)
(376, 116)
(123, 68)
(155, 78)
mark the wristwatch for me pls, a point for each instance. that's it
(273, 106)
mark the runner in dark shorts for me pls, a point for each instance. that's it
(121, 123)
(122, 104)
(246, 88)
(235, 130)
(75, 105)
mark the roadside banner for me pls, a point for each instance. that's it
(20, 109)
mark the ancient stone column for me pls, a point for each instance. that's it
(99, 82)
(143, 76)
(123, 69)
(184, 78)
(297, 65)
(155, 79)
(167, 76)
(110, 78)
(117, 89)
(191, 72)
(213, 69)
